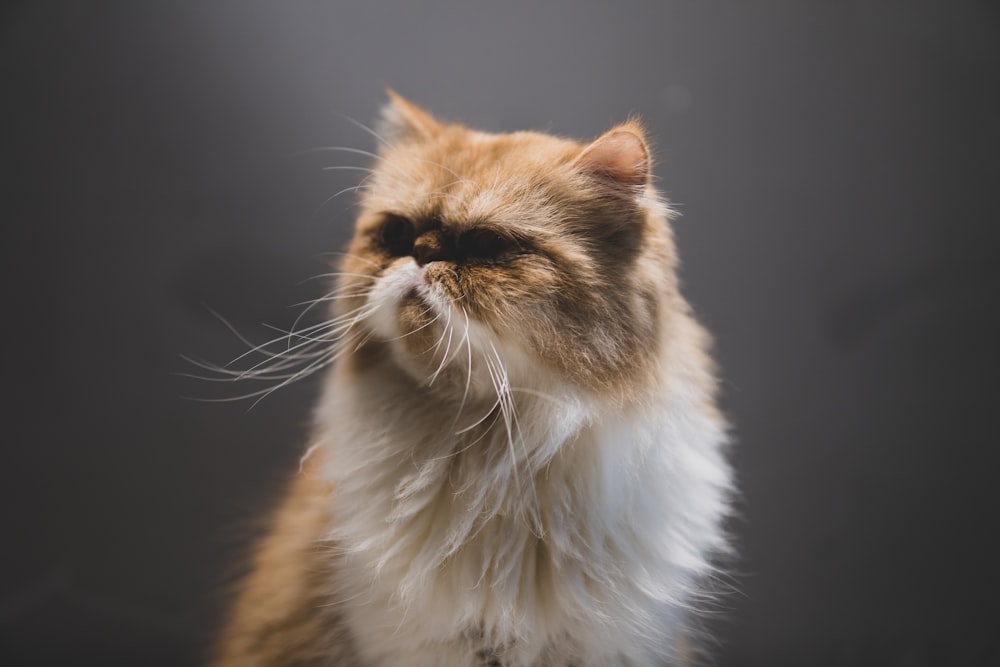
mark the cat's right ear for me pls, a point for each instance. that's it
(401, 120)
(619, 157)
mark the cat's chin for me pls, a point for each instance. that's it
(442, 358)
(423, 335)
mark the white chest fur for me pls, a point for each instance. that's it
(580, 539)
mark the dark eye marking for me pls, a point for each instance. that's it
(486, 244)
(396, 235)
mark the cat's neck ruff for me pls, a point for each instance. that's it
(575, 529)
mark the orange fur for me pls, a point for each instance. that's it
(536, 186)
(562, 254)
(283, 615)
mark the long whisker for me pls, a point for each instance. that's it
(316, 353)
(268, 375)
(496, 417)
(459, 177)
(347, 167)
(325, 149)
(335, 295)
(468, 374)
(353, 188)
(447, 349)
(330, 357)
(422, 326)
(229, 326)
(266, 369)
(352, 256)
(541, 394)
(509, 397)
(308, 370)
(535, 525)
(329, 326)
(271, 359)
(262, 393)
(327, 333)
(339, 274)
(479, 421)
(378, 137)
(447, 326)
(504, 411)
(261, 349)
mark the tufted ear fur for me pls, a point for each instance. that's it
(401, 120)
(619, 156)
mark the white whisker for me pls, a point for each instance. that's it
(378, 137)
(447, 349)
(422, 326)
(339, 274)
(353, 188)
(352, 256)
(541, 394)
(344, 149)
(335, 295)
(348, 167)
(479, 421)
(262, 348)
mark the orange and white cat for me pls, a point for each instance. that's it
(517, 459)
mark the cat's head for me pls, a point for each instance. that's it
(481, 259)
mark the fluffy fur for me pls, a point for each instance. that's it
(517, 460)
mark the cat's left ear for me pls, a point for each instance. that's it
(619, 157)
(401, 120)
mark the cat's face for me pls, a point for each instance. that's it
(481, 259)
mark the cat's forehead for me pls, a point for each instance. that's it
(469, 175)
(482, 153)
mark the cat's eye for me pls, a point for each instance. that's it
(396, 235)
(486, 244)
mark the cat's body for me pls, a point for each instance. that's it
(518, 460)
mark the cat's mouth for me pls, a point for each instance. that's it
(414, 316)
(426, 332)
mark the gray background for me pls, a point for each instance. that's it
(836, 164)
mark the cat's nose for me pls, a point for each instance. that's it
(426, 250)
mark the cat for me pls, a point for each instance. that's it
(517, 457)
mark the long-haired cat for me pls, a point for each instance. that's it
(517, 459)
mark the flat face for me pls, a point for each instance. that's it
(476, 252)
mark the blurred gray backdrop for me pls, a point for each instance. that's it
(837, 165)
